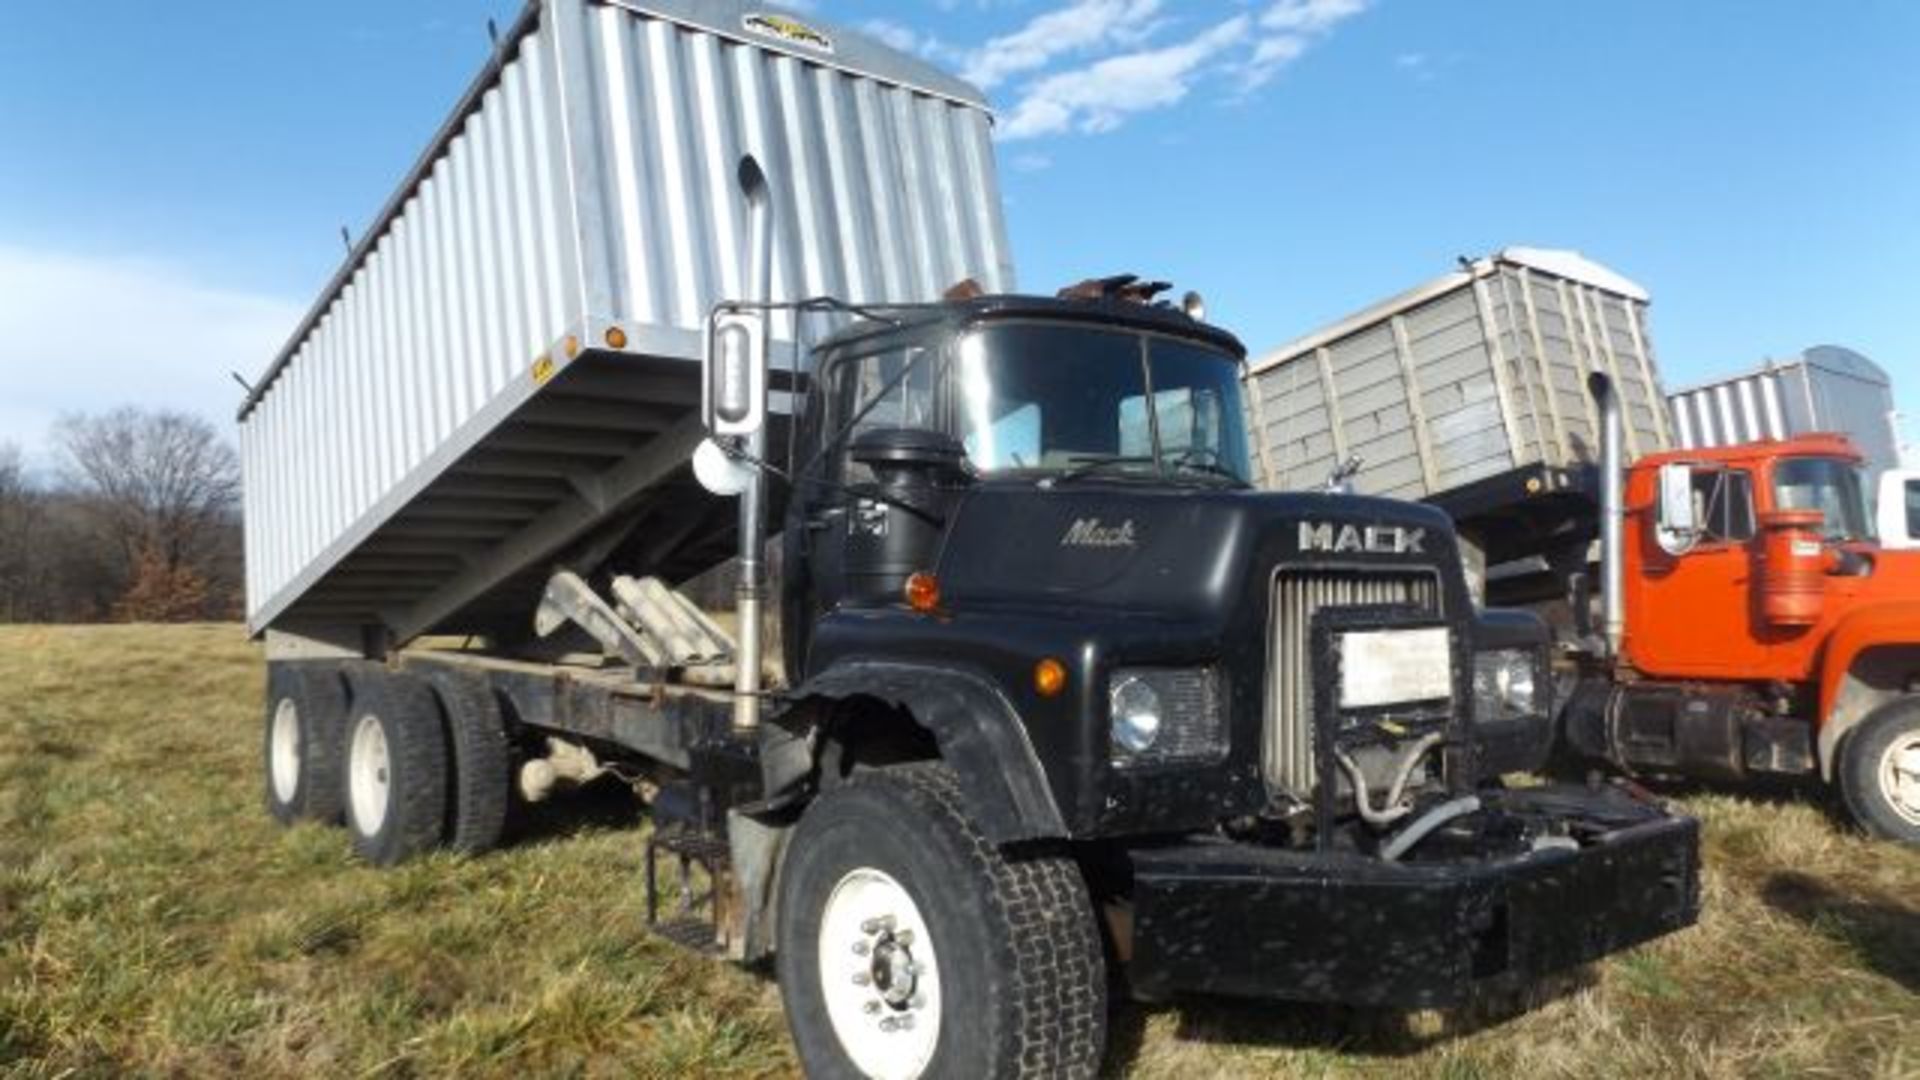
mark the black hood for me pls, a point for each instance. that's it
(1169, 553)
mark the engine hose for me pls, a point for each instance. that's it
(1426, 823)
(1392, 809)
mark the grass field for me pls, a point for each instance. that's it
(153, 920)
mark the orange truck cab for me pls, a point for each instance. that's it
(1760, 628)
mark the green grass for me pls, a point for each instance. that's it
(154, 921)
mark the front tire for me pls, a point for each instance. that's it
(396, 769)
(300, 753)
(909, 946)
(1879, 771)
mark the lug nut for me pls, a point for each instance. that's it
(903, 938)
(861, 978)
(861, 948)
(872, 1007)
(875, 926)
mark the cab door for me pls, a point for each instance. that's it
(1694, 612)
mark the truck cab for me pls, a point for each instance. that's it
(1021, 540)
(1767, 630)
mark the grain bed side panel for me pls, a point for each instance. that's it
(588, 181)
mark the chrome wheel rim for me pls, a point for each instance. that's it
(283, 751)
(369, 775)
(879, 976)
(1900, 777)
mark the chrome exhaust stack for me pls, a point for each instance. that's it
(1613, 513)
(750, 594)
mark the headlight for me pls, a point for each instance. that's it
(1136, 715)
(1166, 715)
(1506, 684)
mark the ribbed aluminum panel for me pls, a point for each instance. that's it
(1473, 374)
(423, 418)
(1287, 746)
(1826, 388)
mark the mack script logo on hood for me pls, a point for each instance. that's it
(1323, 536)
(1091, 533)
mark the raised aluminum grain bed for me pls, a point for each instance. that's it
(504, 375)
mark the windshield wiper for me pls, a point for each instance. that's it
(1193, 460)
(1198, 459)
(1088, 464)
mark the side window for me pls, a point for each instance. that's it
(1723, 504)
(1913, 508)
(892, 389)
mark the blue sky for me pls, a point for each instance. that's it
(173, 177)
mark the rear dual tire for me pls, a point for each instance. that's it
(406, 763)
(305, 714)
(395, 754)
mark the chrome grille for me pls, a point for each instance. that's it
(1287, 745)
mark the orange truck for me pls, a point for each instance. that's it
(1753, 626)
(1725, 613)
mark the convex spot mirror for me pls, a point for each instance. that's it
(719, 472)
(1679, 528)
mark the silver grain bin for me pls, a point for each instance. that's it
(505, 369)
(1825, 388)
(1472, 375)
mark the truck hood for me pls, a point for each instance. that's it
(1172, 553)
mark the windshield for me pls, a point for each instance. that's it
(1066, 398)
(1828, 485)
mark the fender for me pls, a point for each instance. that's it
(979, 733)
(1893, 624)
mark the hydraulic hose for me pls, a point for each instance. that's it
(1426, 823)
(1392, 809)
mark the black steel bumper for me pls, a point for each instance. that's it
(1248, 921)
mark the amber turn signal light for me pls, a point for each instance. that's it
(616, 338)
(923, 592)
(1049, 677)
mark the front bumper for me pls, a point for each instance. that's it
(1237, 919)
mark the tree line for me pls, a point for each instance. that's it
(137, 520)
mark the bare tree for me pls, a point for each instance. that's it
(163, 488)
(19, 511)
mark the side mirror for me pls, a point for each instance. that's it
(1678, 529)
(735, 380)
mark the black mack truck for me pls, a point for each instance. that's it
(961, 670)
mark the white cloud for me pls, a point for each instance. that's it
(89, 333)
(1101, 95)
(1288, 29)
(1080, 26)
(1248, 50)
(1309, 16)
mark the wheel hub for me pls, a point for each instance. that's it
(368, 777)
(1900, 777)
(284, 750)
(878, 977)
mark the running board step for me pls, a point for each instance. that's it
(698, 917)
